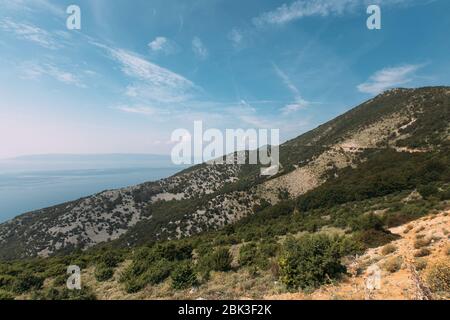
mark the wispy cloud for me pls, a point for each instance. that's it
(152, 82)
(301, 8)
(163, 45)
(29, 32)
(199, 48)
(32, 5)
(306, 8)
(236, 37)
(142, 110)
(33, 70)
(299, 103)
(388, 78)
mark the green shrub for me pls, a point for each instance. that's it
(103, 272)
(109, 259)
(218, 260)
(154, 273)
(5, 295)
(157, 272)
(258, 255)
(172, 252)
(375, 238)
(55, 270)
(6, 281)
(367, 222)
(26, 282)
(247, 254)
(134, 285)
(183, 276)
(60, 280)
(310, 261)
(428, 191)
(64, 294)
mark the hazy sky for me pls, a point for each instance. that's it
(137, 70)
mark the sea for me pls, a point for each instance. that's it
(35, 182)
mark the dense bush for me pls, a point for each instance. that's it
(103, 272)
(375, 238)
(6, 281)
(26, 282)
(110, 259)
(428, 191)
(218, 260)
(136, 277)
(64, 294)
(386, 172)
(247, 254)
(5, 295)
(310, 261)
(158, 272)
(183, 276)
(367, 222)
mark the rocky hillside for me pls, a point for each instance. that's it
(208, 197)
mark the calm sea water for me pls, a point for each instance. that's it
(48, 182)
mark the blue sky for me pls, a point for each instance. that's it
(137, 70)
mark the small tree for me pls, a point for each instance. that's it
(183, 276)
(310, 261)
(219, 260)
(103, 272)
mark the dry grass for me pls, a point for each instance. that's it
(408, 228)
(388, 249)
(421, 243)
(420, 229)
(438, 278)
(424, 252)
(420, 264)
(394, 264)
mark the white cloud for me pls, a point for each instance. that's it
(199, 48)
(302, 8)
(29, 32)
(299, 102)
(153, 82)
(236, 37)
(388, 78)
(32, 5)
(162, 45)
(33, 70)
(306, 8)
(142, 110)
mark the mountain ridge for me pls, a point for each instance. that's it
(208, 197)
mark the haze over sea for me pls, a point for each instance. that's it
(33, 182)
